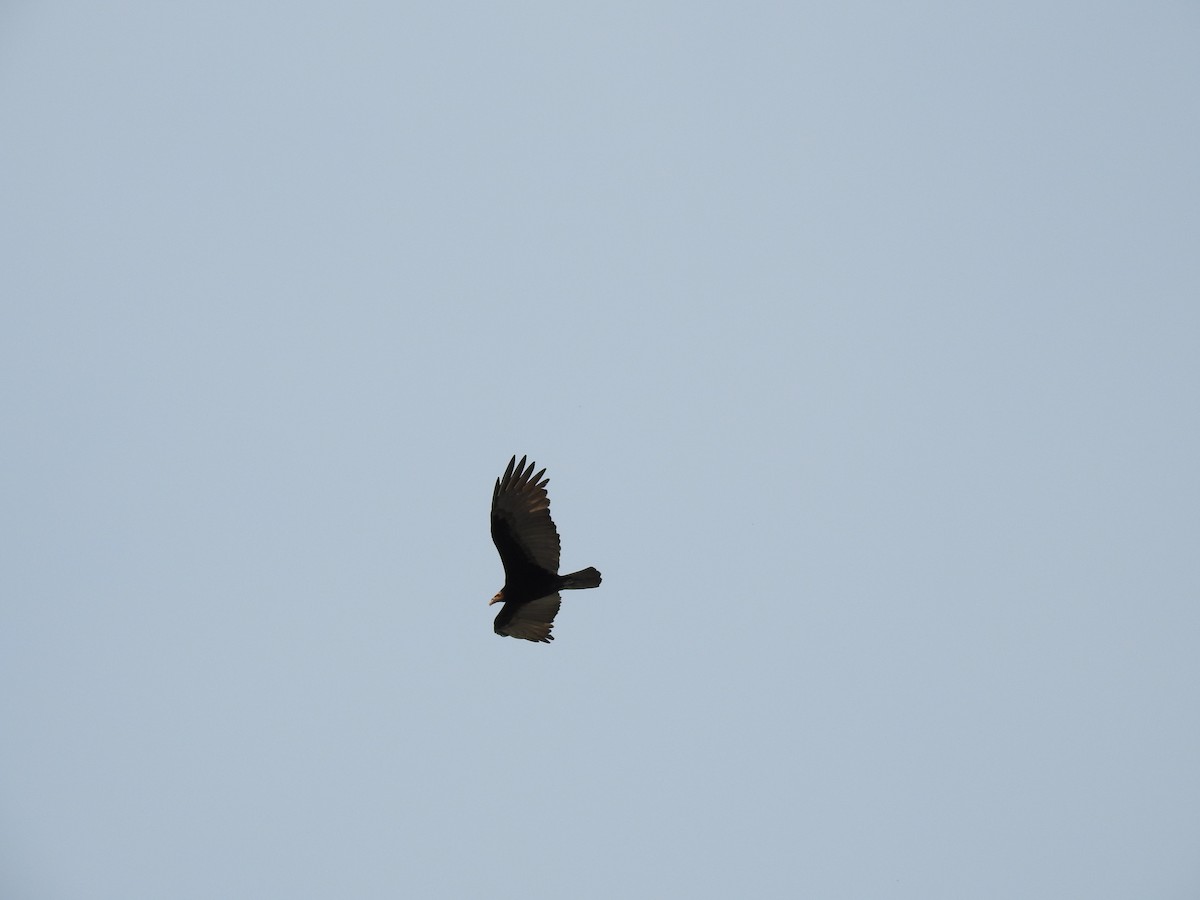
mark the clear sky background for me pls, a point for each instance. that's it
(861, 342)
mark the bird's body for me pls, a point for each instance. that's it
(528, 544)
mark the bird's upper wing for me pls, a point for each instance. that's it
(531, 621)
(522, 529)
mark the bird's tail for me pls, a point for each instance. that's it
(584, 578)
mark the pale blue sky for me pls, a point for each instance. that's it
(860, 342)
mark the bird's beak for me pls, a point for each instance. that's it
(499, 598)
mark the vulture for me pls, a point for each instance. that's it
(527, 541)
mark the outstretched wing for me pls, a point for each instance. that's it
(522, 529)
(531, 621)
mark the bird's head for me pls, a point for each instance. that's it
(499, 598)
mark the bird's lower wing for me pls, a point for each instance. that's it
(530, 621)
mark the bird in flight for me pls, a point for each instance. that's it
(527, 541)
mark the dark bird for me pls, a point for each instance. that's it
(528, 543)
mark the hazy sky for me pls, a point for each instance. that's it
(861, 342)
